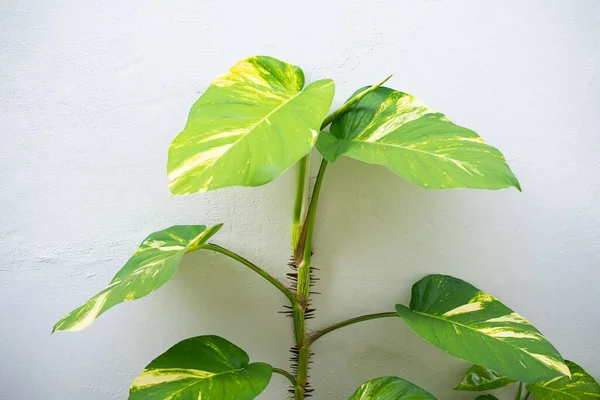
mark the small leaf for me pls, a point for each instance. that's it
(249, 126)
(394, 129)
(479, 379)
(469, 324)
(486, 397)
(582, 386)
(203, 367)
(150, 267)
(390, 388)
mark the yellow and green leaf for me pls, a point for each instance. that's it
(249, 126)
(394, 129)
(479, 379)
(581, 386)
(202, 367)
(150, 267)
(390, 388)
(472, 325)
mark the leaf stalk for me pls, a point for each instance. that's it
(315, 336)
(289, 376)
(271, 279)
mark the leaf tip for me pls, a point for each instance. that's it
(518, 187)
(56, 328)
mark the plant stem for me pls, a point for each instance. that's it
(315, 336)
(286, 374)
(302, 241)
(301, 202)
(303, 254)
(274, 281)
(519, 392)
(527, 395)
(312, 209)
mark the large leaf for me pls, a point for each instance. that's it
(390, 388)
(203, 367)
(150, 267)
(249, 126)
(467, 323)
(479, 379)
(397, 131)
(582, 386)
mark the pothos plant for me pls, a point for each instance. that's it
(252, 124)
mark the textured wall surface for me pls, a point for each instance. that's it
(92, 93)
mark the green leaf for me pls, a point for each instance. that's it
(486, 397)
(467, 323)
(390, 388)
(582, 386)
(249, 126)
(396, 130)
(479, 379)
(202, 367)
(150, 267)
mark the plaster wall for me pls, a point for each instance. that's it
(92, 93)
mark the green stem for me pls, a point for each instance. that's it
(302, 258)
(519, 392)
(302, 239)
(315, 336)
(274, 281)
(289, 376)
(527, 395)
(301, 200)
(312, 210)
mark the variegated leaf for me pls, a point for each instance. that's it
(479, 379)
(467, 323)
(581, 386)
(390, 388)
(394, 129)
(150, 267)
(203, 367)
(250, 125)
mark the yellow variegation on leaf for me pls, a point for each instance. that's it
(472, 325)
(390, 388)
(203, 367)
(479, 379)
(249, 126)
(150, 267)
(581, 386)
(394, 129)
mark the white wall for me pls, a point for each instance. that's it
(92, 93)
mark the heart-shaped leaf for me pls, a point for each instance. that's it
(479, 379)
(467, 323)
(394, 129)
(150, 267)
(390, 388)
(249, 126)
(203, 367)
(581, 386)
